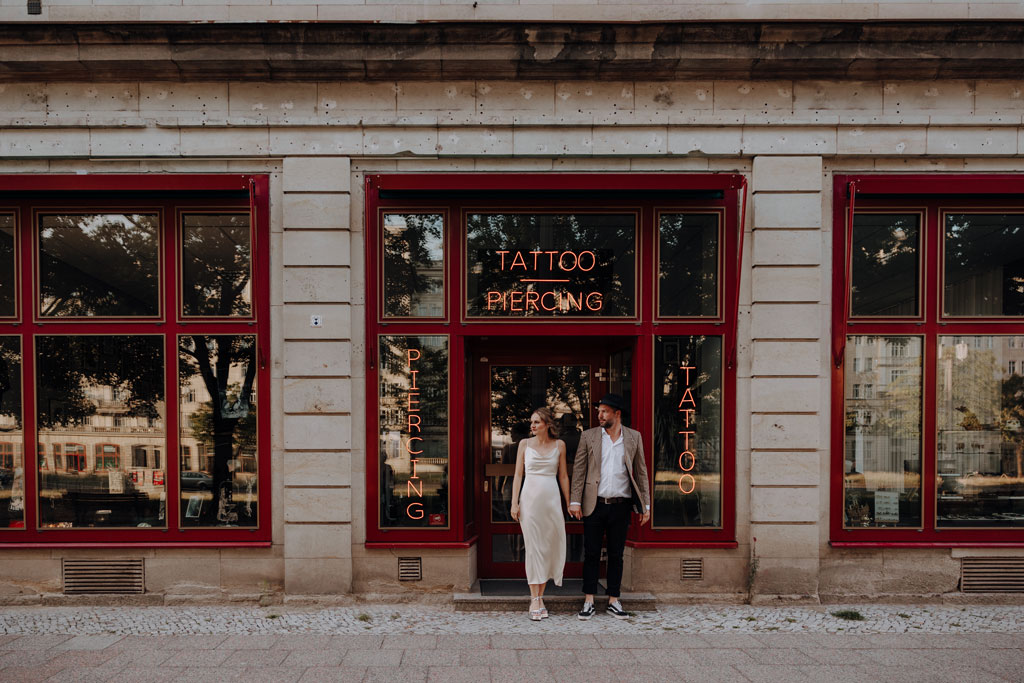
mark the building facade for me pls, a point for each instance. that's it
(279, 290)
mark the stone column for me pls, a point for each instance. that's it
(788, 405)
(317, 376)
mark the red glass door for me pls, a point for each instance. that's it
(508, 385)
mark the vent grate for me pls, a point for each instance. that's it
(103, 576)
(410, 569)
(992, 574)
(691, 570)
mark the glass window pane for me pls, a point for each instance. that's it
(413, 265)
(882, 471)
(984, 265)
(551, 265)
(687, 432)
(884, 264)
(84, 384)
(413, 431)
(7, 263)
(980, 406)
(99, 265)
(217, 400)
(12, 438)
(216, 265)
(688, 265)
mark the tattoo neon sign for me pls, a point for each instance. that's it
(687, 459)
(557, 265)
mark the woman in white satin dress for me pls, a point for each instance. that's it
(540, 461)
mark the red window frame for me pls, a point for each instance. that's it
(931, 193)
(100, 457)
(76, 454)
(440, 193)
(26, 193)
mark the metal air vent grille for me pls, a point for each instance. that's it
(691, 570)
(410, 569)
(103, 576)
(992, 574)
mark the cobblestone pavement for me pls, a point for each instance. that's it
(418, 643)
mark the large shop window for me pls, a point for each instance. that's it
(928, 405)
(623, 283)
(134, 325)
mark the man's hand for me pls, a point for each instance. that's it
(576, 511)
(645, 518)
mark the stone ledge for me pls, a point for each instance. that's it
(295, 52)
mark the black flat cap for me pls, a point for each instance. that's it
(613, 401)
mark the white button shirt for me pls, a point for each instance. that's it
(614, 478)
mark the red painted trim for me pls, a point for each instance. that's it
(114, 190)
(425, 545)
(936, 184)
(668, 545)
(931, 192)
(130, 546)
(891, 544)
(107, 183)
(588, 182)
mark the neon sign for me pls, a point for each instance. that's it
(687, 459)
(413, 441)
(554, 264)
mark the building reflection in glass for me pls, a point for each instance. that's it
(12, 457)
(413, 252)
(882, 385)
(980, 405)
(100, 412)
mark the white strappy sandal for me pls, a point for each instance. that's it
(536, 614)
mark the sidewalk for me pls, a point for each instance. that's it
(418, 643)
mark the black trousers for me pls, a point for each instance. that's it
(613, 521)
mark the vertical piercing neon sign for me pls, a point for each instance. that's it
(687, 459)
(413, 427)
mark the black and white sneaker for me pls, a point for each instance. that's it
(586, 612)
(615, 609)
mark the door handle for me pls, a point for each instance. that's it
(487, 481)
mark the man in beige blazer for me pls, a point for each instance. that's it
(609, 479)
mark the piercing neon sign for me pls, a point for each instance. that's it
(557, 267)
(687, 458)
(413, 441)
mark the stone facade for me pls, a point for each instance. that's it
(317, 140)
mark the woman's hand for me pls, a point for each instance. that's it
(515, 511)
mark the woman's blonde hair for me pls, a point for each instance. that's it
(548, 418)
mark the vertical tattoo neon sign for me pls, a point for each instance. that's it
(413, 427)
(687, 459)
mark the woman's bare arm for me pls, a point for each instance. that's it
(517, 482)
(563, 473)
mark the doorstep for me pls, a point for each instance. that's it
(514, 596)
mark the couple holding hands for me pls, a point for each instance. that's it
(609, 480)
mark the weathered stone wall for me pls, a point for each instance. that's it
(317, 140)
(502, 10)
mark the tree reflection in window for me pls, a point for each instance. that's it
(413, 265)
(688, 265)
(884, 277)
(610, 272)
(216, 265)
(221, 370)
(984, 265)
(99, 265)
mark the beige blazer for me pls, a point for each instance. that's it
(586, 470)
